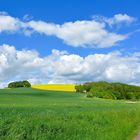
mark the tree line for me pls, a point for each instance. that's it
(108, 90)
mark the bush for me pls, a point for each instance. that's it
(19, 84)
(89, 95)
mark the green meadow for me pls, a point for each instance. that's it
(32, 114)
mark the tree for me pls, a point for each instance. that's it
(18, 84)
(104, 89)
(26, 83)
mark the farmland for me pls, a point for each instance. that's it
(57, 87)
(34, 114)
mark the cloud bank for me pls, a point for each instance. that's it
(62, 67)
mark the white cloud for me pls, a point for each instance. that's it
(80, 33)
(109, 67)
(10, 24)
(121, 18)
(62, 67)
(16, 64)
(85, 33)
(116, 19)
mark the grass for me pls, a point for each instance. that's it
(56, 87)
(32, 114)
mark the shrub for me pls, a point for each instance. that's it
(89, 94)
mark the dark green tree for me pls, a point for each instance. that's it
(19, 84)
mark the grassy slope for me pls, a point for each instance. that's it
(57, 87)
(40, 115)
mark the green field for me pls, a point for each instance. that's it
(31, 114)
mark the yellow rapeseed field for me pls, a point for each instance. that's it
(58, 87)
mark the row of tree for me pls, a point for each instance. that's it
(19, 84)
(109, 90)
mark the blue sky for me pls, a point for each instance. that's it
(64, 11)
(62, 25)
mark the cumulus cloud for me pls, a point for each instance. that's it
(16, 64)
(62, 67)
(121, 18)
(10, 24)
(115, 20)
(81, 33)
(110, 67)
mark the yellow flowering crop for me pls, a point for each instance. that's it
(58, 87)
